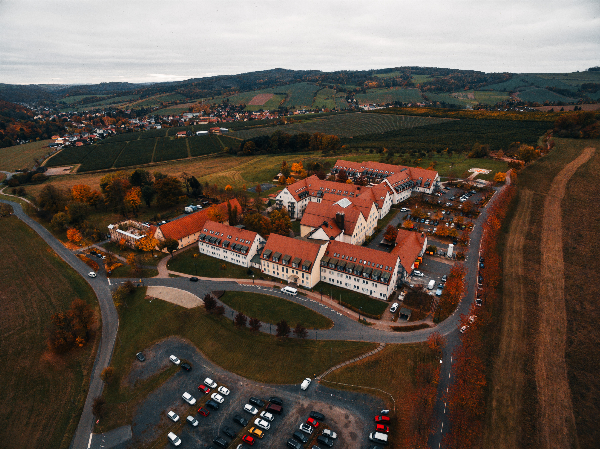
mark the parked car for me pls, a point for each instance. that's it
(382, 418)
(210, 383)
(189, 398)
(438, 292)
(478, 302)
(204, 389)
(186, 366)
(463, 329)
(173, 416)
(229, 432)
(276, 400)
(300, 437)
(92, 274)
(266, 415)
(382, 428)
(221, 442)
(174, 439)
(248, 440)
(240, 420)
(325, 441)
(248, 408)
(294, 444)
(212, 404)
(305, 383)
(274, 408)
(444, 278)
(313, 422)
(306, 428)
(217, 398)
(203, 411)
(394, 307)
(174, 359)
(224, 391)
(417, 273)
(330, 434)
(257, 402)
(316, 415)
(193, 421)
(193, 279)
(256, 432)
(262, 424)
(140, 357)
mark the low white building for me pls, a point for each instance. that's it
(229, 243)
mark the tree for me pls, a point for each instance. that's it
(240, 319)
(98, 407)
(407, 224)
(342, 176)
(74, 235)
(133, 199)
(280, 222)
(52, 199)
(209, 303)
(171, 245)
(147, 243)
(527, 153)
(215, 213)
(391, 232)
(81, 193)
(107, 374)
(169, 191)
(77, 212)
(283, 329)
(255, 324)
(258, 223)
(467, 206)
(300, 331)
(140, 178)
(59, 221)
(5, 209)
(500, 177)
(148, 194)
(436, 342)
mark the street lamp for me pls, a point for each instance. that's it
(359, 313)
(252, 279)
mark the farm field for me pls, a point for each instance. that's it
(237, 350)
(22, 156)
(41, 395)
(345, 125)
(383, 96)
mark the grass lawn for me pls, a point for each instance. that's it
(125, 271)
(41, 395)
(353, 300)
(22, 156)
(271, 309)
(252, 355)
(147, 258)
(393, 372)
(192, 262)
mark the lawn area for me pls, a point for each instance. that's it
(147, 258)
(252, 355)
(41, 395)
(271, 309)
(22, 156)
(353, 300)
(397, 371)
(191, 261)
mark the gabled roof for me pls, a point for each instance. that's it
(307, 252)
(193, 223)
(316, 214)
(363, 259)
(231, 234)
(408, 247)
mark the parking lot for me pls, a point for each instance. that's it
(350, 415)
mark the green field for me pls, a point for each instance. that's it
(191, 261)
(390, 95)
(271, 309)
(240, 351)
(356, 301)
(41, 395)
(22, 156)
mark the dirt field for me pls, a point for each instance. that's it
(41, 395)
(556, 420)
(260, 99)
(508, 380)
(175, 296)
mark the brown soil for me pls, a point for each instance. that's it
(508, 379)
(556, 424)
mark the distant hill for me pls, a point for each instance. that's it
(314, 89)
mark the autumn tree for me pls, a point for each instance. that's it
(300, 331)
(52, 199)
(5, 209)
(81, 193)
(280, 222)
(258, 223)
(215, 213)
(169, 191)
(342, 176)
(500, 177)
(74, 235)
(391, 233)
(209, 303)
(107, 374)
(148, 243)
(407, 224)
(255, 324)
(240, 319)
(283, 329)
(133, 199)
(59, 221)
(171, 245)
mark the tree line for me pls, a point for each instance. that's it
(280, 142)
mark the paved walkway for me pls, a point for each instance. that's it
(348, 362)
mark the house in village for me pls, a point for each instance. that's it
(229, 243)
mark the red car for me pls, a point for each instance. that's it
(203, 411)
(312, 422)
(382, 428)
(382, 418)
(248, 439)
(204, 388)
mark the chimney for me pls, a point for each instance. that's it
(339, 220)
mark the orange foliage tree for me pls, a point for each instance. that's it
(74, 235)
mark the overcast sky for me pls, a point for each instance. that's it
(81, 41)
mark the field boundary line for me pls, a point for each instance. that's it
(556, 422)
(348, 362)
(154, 150)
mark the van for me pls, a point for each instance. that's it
(379, 437)
(289, 291)
(274, 408)
(431, 284)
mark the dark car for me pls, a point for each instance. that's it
(300, 436)
(293, 444)
(375, 447)
(193, 279)
(212, 404)
(186, 366)
(240, 420)
(140, 357)
(229, 432)
(481, 265)
(221, 442)
(316, 415)
(481, 260)
(444, 278)
(257, 402)
(203, 411)
(275, 400)
(322, 439)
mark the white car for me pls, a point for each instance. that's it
(174, 359)
(224, 391)
(394, 307)
(266, 415)
(472, 319)
(173, 416)
(92, 274)
(210, 383)
(405, 209)
(189, 398)
(306, 428)
(330, 433)
(248, 408)
(305, 383)
(217, 398)
(463, 329)
(174, 439)
(193, 421)
(262, 424)
(417, 273)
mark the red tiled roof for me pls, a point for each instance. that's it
(231, 233)
(193, 223)
(361, 255)
(408, 246)
(295, 248)
(316, 213)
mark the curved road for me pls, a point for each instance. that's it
(344, 327)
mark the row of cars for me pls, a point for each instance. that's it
(260, 424)
(478, 299)
(307, 430)
(382, 429)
